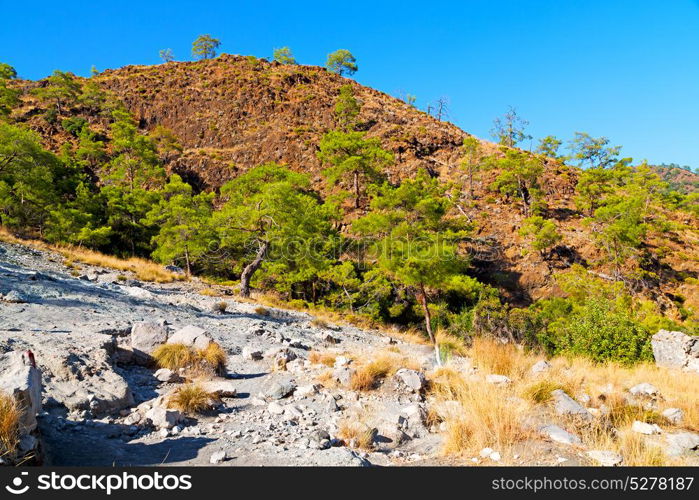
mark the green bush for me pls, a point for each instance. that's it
(597, 331)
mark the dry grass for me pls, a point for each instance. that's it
(540, 392)
(175, 357)
(449, 345)
(356, 435)
(262, 311)
(210, 292)
(326, 379)
(492, 356)
(220, 307)
(487, 418)
(191, 398)
(318, 358)
(144, 270)
(319, 323)
(371, 372)
(9, 424)
(213, 357)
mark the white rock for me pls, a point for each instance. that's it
(540, 367)
(145, 337)
(217, 457)
(495, 456)
(341, 361)
(275, 408)
(644, 389)
(163, 418)
(192, 336)
(251, 353)
(565, 405)
(412, 380)
(681, 443)
(673, 415)
(166, 375)
(560, 435)
(605, 458)
(303, 391)
(645, 428)
(485, 452)
(498, 379)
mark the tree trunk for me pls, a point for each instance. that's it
(250, 269)
(356, 190)
(428, 324)
(186, 258)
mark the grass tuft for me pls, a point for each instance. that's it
(191, 398)
(356, 435)
(9, 424)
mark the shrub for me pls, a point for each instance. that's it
(321, 359)
(191, 398)
(601, 333)
(262, 311)
(540, 392)
(213, 357)
(220, 307)
(356, 435)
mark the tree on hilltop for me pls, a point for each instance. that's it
(204, 47)
(342, 62)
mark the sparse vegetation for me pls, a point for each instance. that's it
(191, 399)
(9, 424)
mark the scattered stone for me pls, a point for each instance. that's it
(192, 336)
(163, 418)
(498, 379)
(252, 353)
(343, 375)
(540, 367)
(559, 435)
(275, 408)
(341, 361)
(145, 337)
(410, 380)
(605, 458)
(220, 388)
(328, 338)
(681, 443)
(137, 292)
(644, 389)
(565, 405)
(673, 415)
(279, 389)
(645, 428)
(217, 457)
(166, 375)
(303, 391)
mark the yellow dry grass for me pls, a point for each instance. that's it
(9, 424)
(175, 357)
(191, 398)
(370, 372)
(477, 414)
(318, 358)
(144, 270)
(356, 434)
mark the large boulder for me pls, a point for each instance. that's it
(676, 350)
(192, 336)
(145, 337)
(20, 378)
(77, 370)
(567, 406)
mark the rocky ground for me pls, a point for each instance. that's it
(102, 406)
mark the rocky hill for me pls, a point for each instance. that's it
(233, 113)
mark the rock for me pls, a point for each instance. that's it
(540, 367)
(27, 444)
(145, 337)
(328, 338)
(676, 350)
(163, 418)
(341, 361)
(559, 435)
(283, 356)
(137, 292)
(251, 353)
(167, 376)
(681, 443)
(174, 269)
(343, 375)
(338, 457)
(279, 389)
(220, 387)
(20, 378)
(565, 405)
(644, 389)
(605, 458)
(673, 415)
(645, 428)
(15, 297)
(303, 391)
(217, 457)
(498, 379)
(192, 336)
(410, 380)
(275, 408)
(485, 452)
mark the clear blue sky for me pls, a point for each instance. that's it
(625, 69)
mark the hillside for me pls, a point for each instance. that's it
(233, 113)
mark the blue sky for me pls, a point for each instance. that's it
(628, 70)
